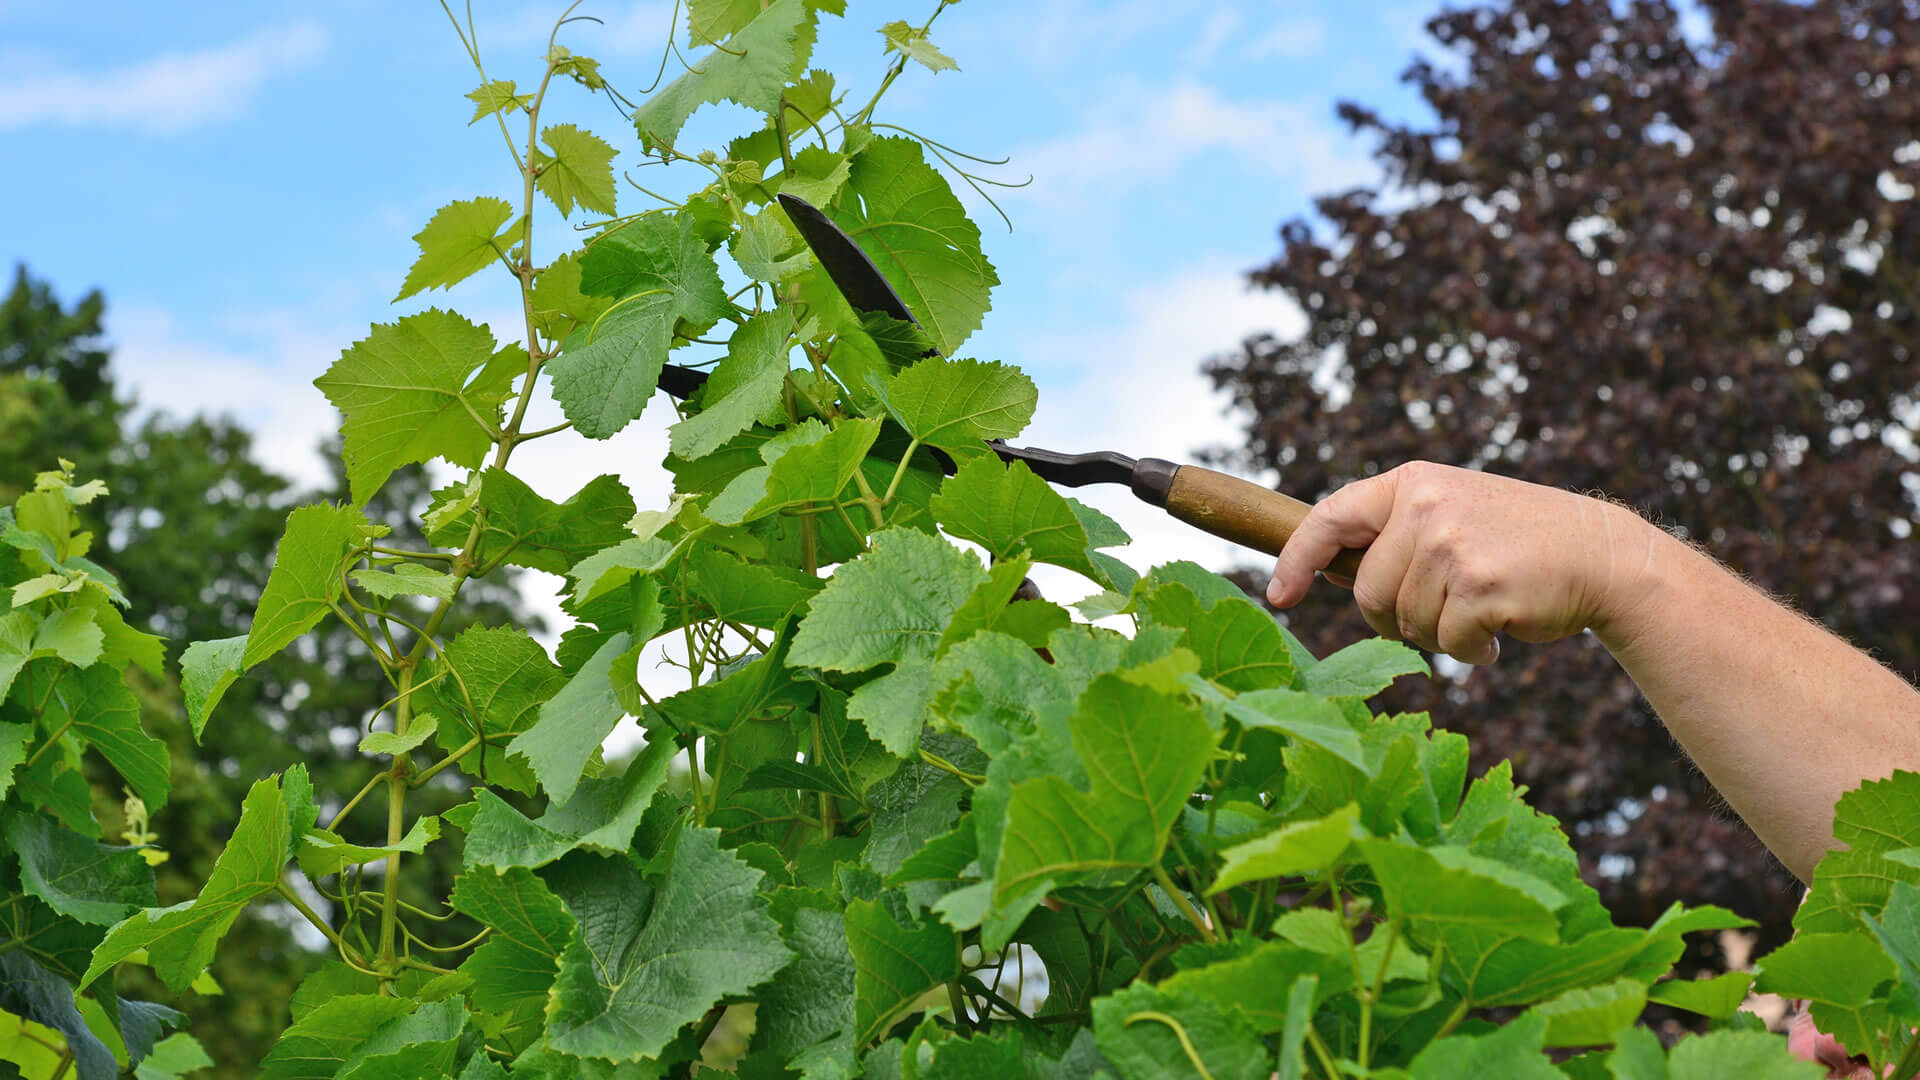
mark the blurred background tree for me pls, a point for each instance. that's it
(1682, 269)
(190, 529)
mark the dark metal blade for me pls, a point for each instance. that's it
(1072, 470)
(861, 282)
(681, 382)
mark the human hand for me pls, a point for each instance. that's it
(1456, 556)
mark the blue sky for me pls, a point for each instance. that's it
(243, 181)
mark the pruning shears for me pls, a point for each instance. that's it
(1225, 506)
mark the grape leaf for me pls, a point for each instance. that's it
(894, 964)
(1143, 752)
(1145, 1031)
(96, 704)
(70, 634)
(1297, 848)
(29, 990)
(768, 249)
(301, 589)
(76, 876)
(16, 646)
(573, 722)
(173, 1057)
(1466, 907)
(1238, 642)
(560, 306)
(752, 70)
(807, 463)
(316, 1046)
(955, 403)
(505, 676)
(576, 167)
(811, 999)
(1722, 1055)
(1878, 817)
(422, 1043)
(322, 853)
(710, 22)
(755, 594)
(601, 816)
(13, 751)
(891, 604)
(1512, 1051)
(661, 274)
(1363, 669)
(428, 386)
(911, 41)
(745, 387)
(817, 173)
(420, 728)
(524, 529)
(1592, 1015)
(491, 97)
(1007, 509)
(406, 579)
(626, 986)
(1719, 997)
(180, 940)
(207, 668)
(460, 241)
(1839, 974)
(530, 926)
(1305, 717)
(904, 216)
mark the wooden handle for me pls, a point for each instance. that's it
(1244, 513)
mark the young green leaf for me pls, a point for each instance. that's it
(460, 241)
(96, 704)
(76, 876)
(894, 964)
(304, 584)
(180, 940)
(660, 274)
(572, 722)
(1146, 1031)
(491, 97)
(429, 386)
(906, 218)
(911, 41)
(1006, 509)
(1362, 669)
(529, 926)
(887, 606)
(807, 463)
(1717, 998)
(601, 816)
(744, 388)
(1512, 1052)
(504, 678)
(629, 981)
(1592, 1015)
(957, 403)
(406, 579)
(1143, 752)
(751, 70)
(322, 853)
(1878, 817)
(768, 249)
(576, 167)
(1298, 848)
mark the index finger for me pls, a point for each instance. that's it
(1349, 518)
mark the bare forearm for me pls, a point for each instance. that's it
(1781, 715)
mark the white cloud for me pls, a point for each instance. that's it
(1149, 399)
(1289, 39)
(174, 370)
(169, 93)
(1218, 29)
(1146, 133)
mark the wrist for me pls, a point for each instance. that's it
(1633, 571)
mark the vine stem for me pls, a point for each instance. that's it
(373, 782)
(430, 771)
(293, 898)
(1180, 901)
